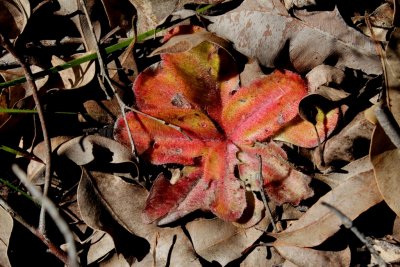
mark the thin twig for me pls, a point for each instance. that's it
(54, 214)
(103, 72)
(349, 225)
(264, 199)
(32, 86)
(55, 250)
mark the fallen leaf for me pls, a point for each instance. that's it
(312, 257)
(75, 77)
(324, 75)
(349, 144)
(6, 223)
(392, 63)
(354, 196)
(100, 197)
(247, 116)
(386, 173)
(108, 154)
(355, 167)
(97, 197)
(216, 240)
(309, 39)
(14, 17)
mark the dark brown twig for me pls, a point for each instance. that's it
(264, 199)
(28, 74)
(55, 250)
(54, 214)
(349, 225)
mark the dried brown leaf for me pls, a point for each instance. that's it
(78, 76)
(6, 223)
(221, 241)
(353, 168)
(280, 34)
(14, 17)
(185, 42)
(324, 75)
(386, 171)
(354, 196)
(312, 257)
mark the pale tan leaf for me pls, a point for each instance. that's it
(353, 168)
(84, 149)
(185, 42)
(356, 195)
(78, 76)
(386, 168)
(14, 16)
(6, 223)
(100, 198)
(324, 75)
(221, 241)
(250, 73)
(101, 244)
(258, 257)
(152, 12)
(309, 39)
(68, 7)
(311, 257)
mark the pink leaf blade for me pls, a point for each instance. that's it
(302, 133)
(258, 111)
(158, 142)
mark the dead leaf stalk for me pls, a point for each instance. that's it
(103, 72)
(349, 225)
(55, 250)
(54, 214)
(28, 75)
(263, 197)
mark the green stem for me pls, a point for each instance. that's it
(92, 55)
(16, 189)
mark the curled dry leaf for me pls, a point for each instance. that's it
(354, 196)
(324, 75)
(221, 130)
(100, 206)
(78, 76)
(309, 39)
(14, 17)
(348, 145)
(220, 241)
(6, 223)
(84, 150)
(312, 257)
(68, 8)
(99, 198)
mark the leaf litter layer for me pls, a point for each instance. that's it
(212, 134)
